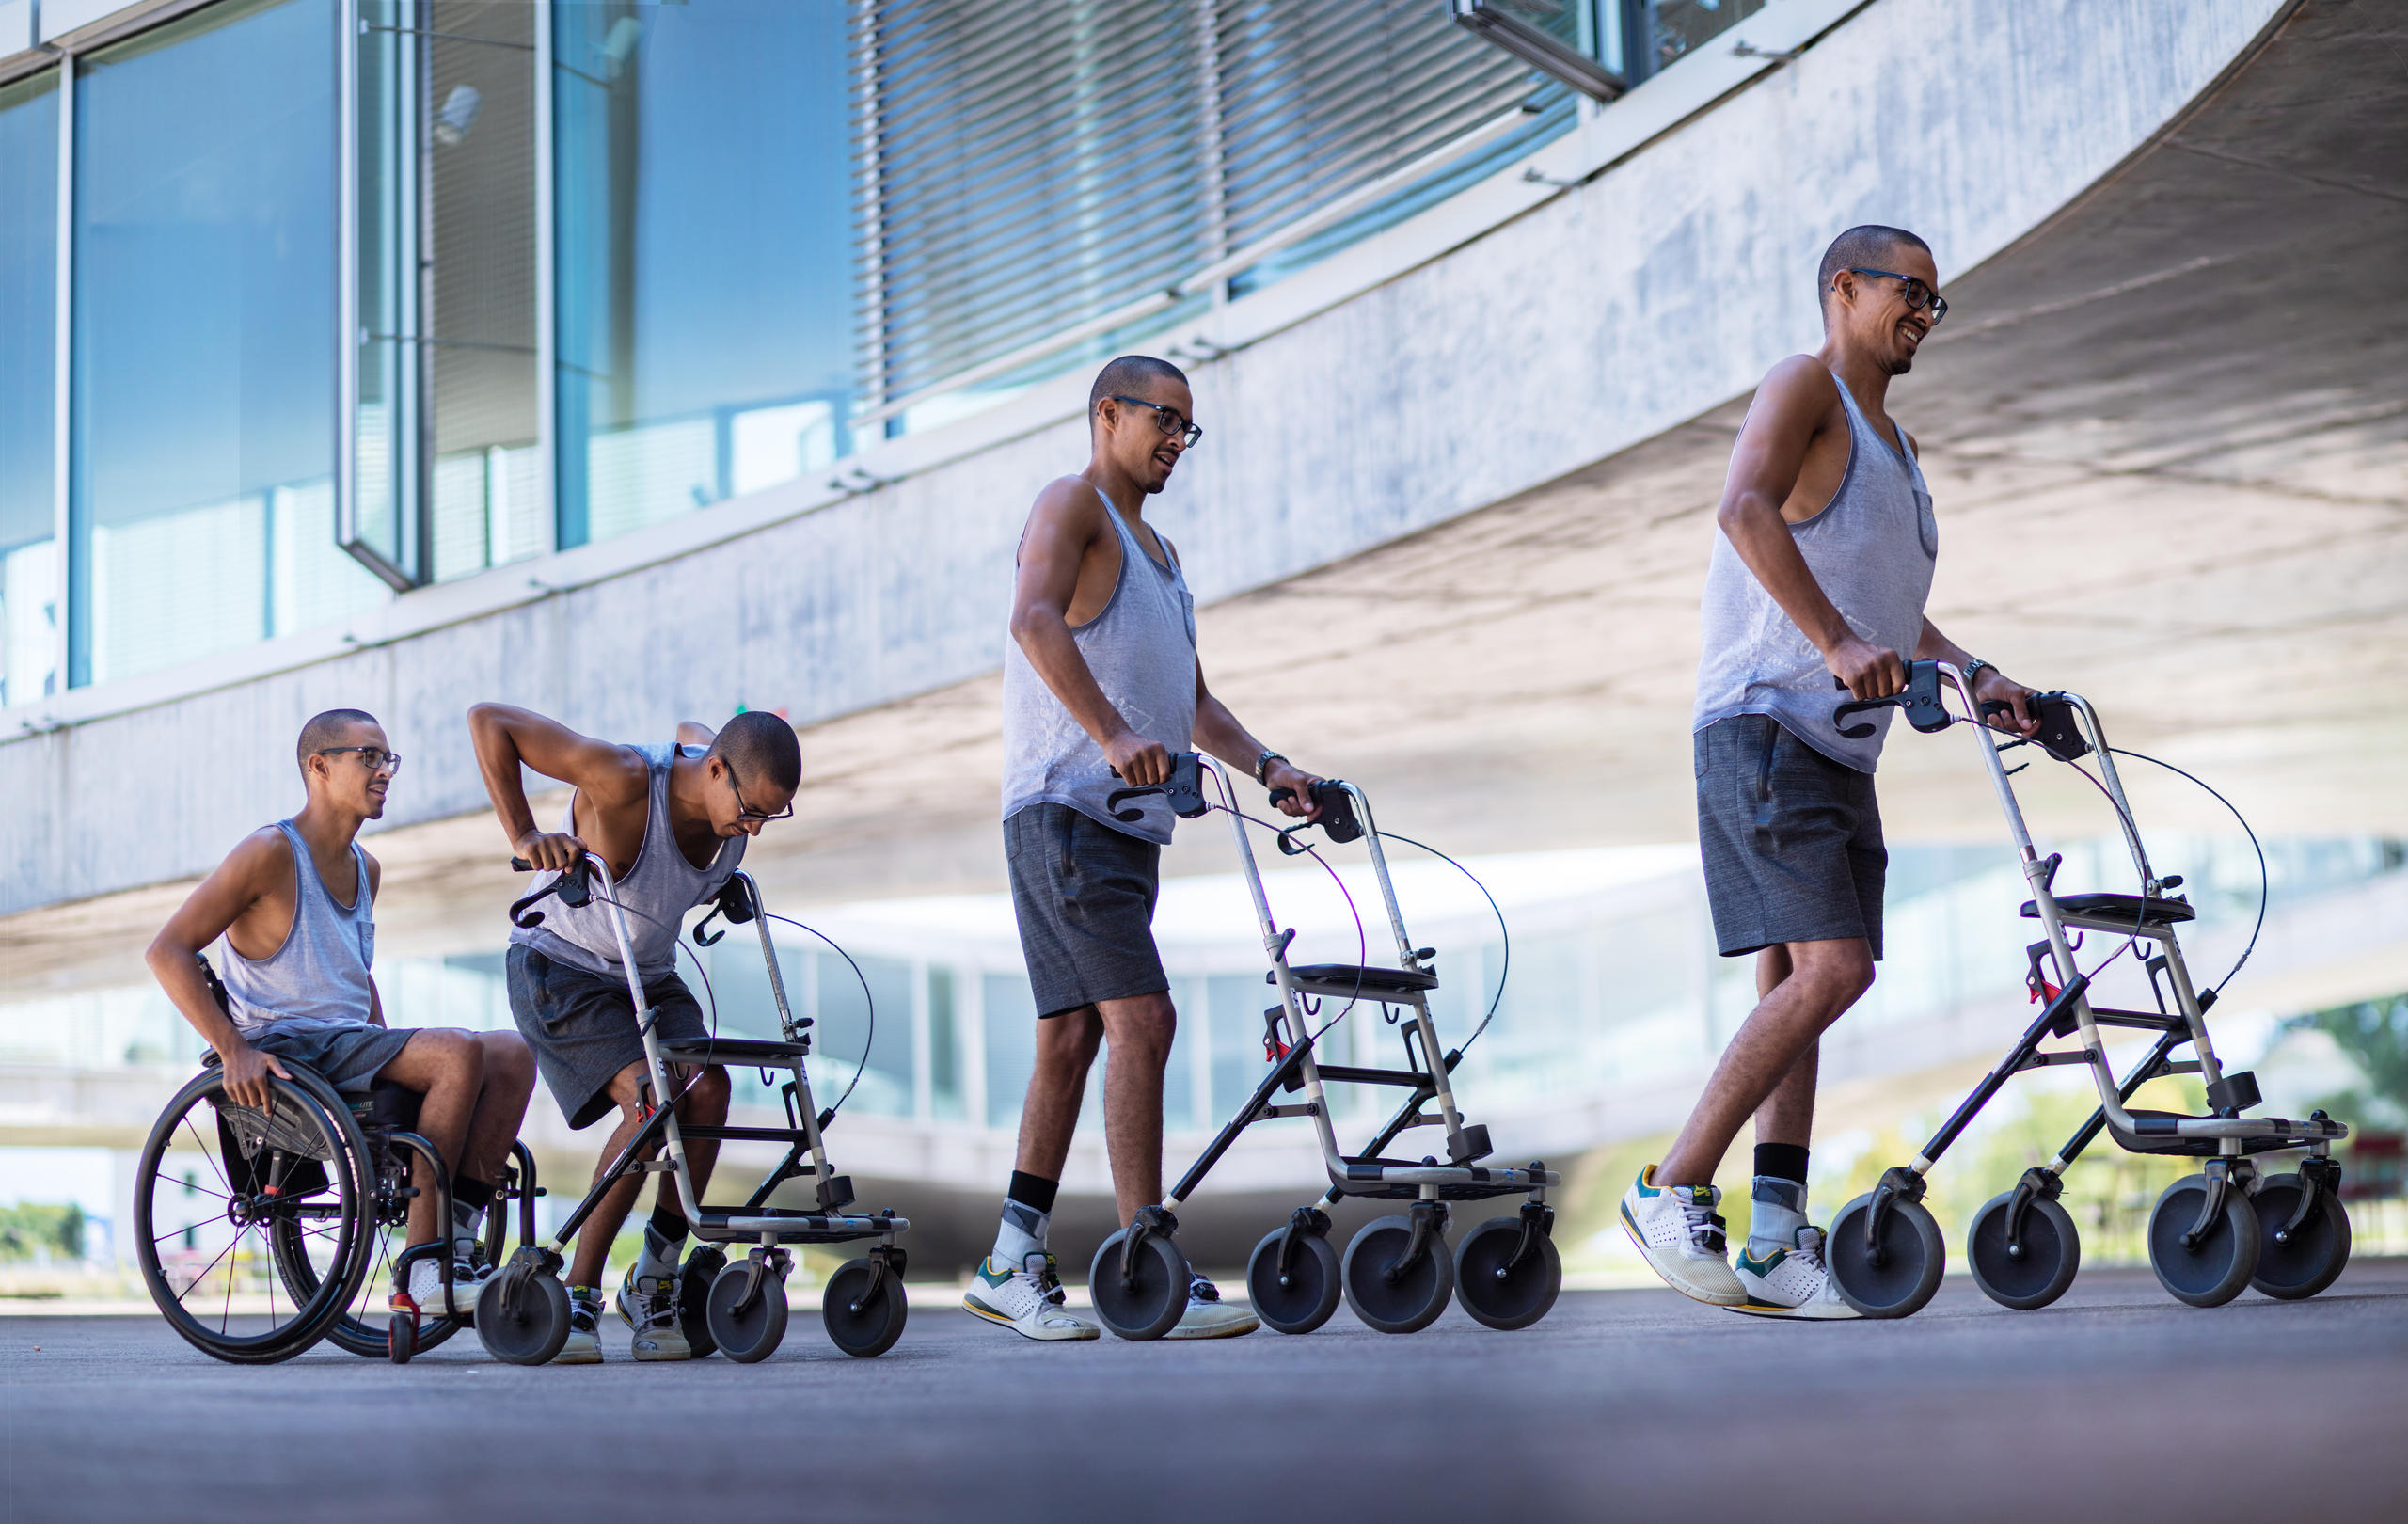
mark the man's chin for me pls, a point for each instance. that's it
(375, 809)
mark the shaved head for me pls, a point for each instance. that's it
(758, 744)
(331, 729)
(1870, 246)
(1129, 375)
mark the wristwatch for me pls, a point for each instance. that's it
(1973, 669)
(1262, 766)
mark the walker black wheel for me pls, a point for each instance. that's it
(523, 1319)
(1302, 1298)
(748, 1332)
(2214, 1271)
(2295, 1265)
(694, 1281)
(1150, 1301)
(1893, 1275)
(1393, 1299)
(1493, 1289)
(401, 1335)
(2038, 1267)
(862, 1321)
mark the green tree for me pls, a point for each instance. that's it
(2374, 1035)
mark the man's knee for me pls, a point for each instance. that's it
(706, 1095)
(1837, 972)
(446, 1057)
(1142, 1028)
(1066, 1044)
(507, 1060)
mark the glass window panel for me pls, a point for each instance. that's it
(1011, 1045)
(705, 307)
(945, 1099)
(1235, 1004)
(204, 343)
(844, 1032)
(385, 427)
(28, 379)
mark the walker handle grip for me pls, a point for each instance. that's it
(571, 886)
(1919, 698)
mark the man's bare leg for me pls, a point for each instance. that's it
(1137, 1033)
(601, 1227)
(501, 1105)
(1066, 1048)
(1825, 979)
(447, 1069)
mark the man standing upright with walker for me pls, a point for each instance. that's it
(1823, 562)
(1101, 685)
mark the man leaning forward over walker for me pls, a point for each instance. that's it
(1820, 570)
(295, 902)
(1101, 686)
(671, 821)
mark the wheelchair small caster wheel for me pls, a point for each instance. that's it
(2305, 1259)
(694, 1281)
(401, 1332)
(1894, 1275)
(2038, 1267)
(1495, 1290)
(863, 1307)
(1301, 1298)
(1148, 1301)
(523, 1318)
(1390, 1295)
(747, 1306)
(2219, 1266)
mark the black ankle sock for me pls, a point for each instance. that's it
(1032, 1191)
(667, 1221)
(472, 1193)
(1782, 1161)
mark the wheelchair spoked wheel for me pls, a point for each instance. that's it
(862, 1322)
(2215, 1270)
(1497, 1290)
(1894, 1276)
(2305, 1258)
(2038, 1267)
(216, 1189)
(747, 1321)
(1302, 1298)
(1393, 1299)
(1150, 1301)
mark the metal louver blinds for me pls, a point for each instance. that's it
(1034, 175)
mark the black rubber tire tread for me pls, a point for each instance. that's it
(1312, 1293)
(1412, 1304)
(1525, 1295)
(2220, 1269)
(356, 1335)
(873, 1330)
(2052, 1257)
(1153, 1305)
(757, 1336)
(694, 1279)
(2316, 1255)
(533, 1330)
(401, 1339)
(1915, 1256)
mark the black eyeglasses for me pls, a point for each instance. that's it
(377, 758)
(745, 812)
(1918, 294)
(1168, 419)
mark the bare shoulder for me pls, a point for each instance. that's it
(1069, 501)
(260, 862)
(1802, 382)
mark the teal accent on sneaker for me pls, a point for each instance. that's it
(1749, 1262)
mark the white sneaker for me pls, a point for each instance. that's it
(1792, 1283)
(1675, 1226)
(648, 1305)
(1028, 1301)
(1209, 1317)
(584, 1346)
(426, 1287)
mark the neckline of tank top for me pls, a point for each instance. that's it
(1855, 410)
(1130, 533)
(300, 846)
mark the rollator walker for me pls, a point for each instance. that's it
(1397, 1272)
(738, 1309)
(2212, 1233)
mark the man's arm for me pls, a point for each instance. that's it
(506, 737)
(1065, 520)
(250, 871)
(1218, 732)
(1991, 687)
(1796, 396)
(375, 881)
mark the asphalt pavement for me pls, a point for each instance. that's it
(2118, 1402)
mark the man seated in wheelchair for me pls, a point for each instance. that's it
(295, 902)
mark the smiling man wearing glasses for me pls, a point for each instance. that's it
(672, 823)
(1824, 557)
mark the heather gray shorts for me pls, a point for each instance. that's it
(582, 1026)
(1792, 841)
(346, 1055)
(1084, 895)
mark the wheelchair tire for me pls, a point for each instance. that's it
(2218, 1269)
(308, 1136)
(863, 1328)
(2313, 1256)
(755, 1333)
(524, 1326)
(1310, 1292)
(401, 1337)
(1494, 1290)
(1903, 1275)
(1411, 1302)
(2051, 1253)
(1154, 1298)
(694, 1281)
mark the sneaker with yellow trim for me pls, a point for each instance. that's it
(1028, 1300)
(1676, 1228)
(1794, 1282)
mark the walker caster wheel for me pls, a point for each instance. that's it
(2310, 1257)
(747, 1306)
(523, 1319)
(1893, 1275)
(2040, 1264)
(1391, 1297)
(1496, 1291)
(1302, 1298)
(864, 1309)
(694, 1281)
(401, 1333)
(1150, 1301)
(2214, 1273)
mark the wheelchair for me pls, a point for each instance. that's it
(260, 1232)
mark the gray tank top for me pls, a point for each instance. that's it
(656, 893)
(1142, 650)
(320, 973)
(1873, 548)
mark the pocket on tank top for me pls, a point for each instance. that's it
(1926, 523)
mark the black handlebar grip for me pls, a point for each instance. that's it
(1280, 795)
(521, 864)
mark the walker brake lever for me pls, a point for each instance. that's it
(1183, 790)
(571, 886)
(1919, 698)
